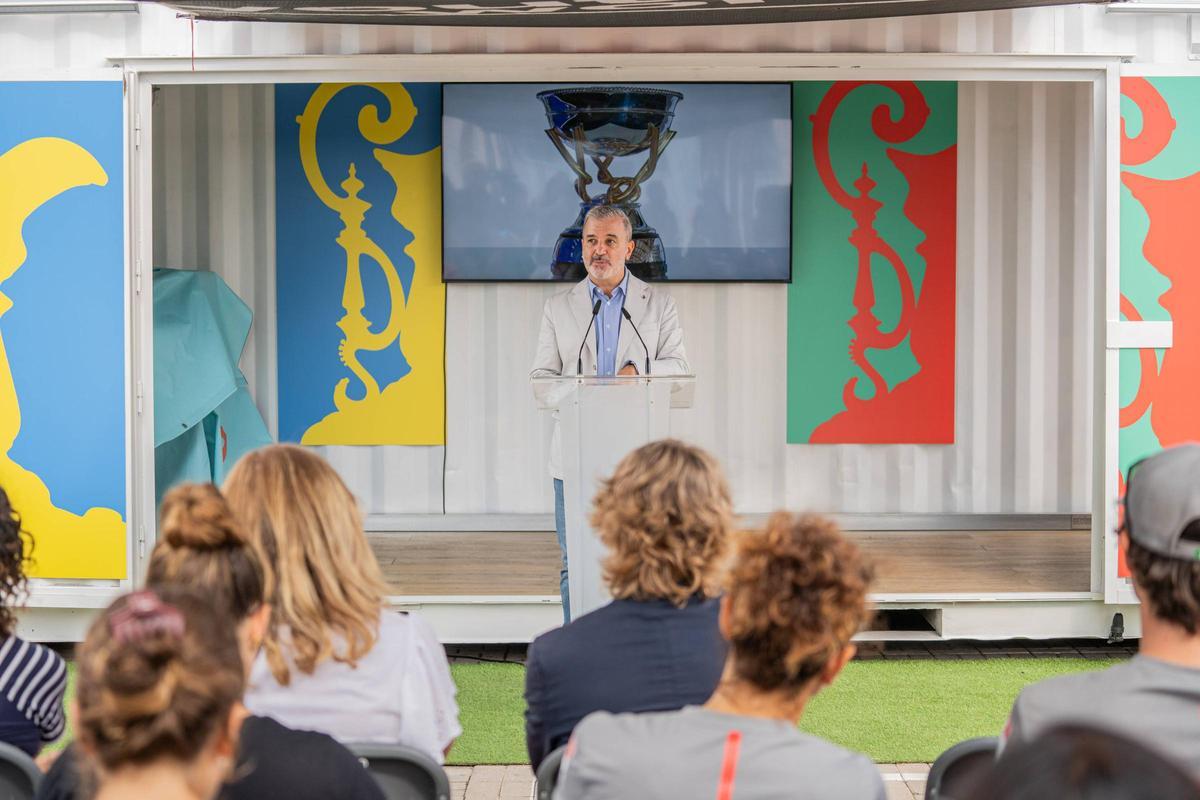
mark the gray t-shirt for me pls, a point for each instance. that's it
(673, 754)
(1150, 701)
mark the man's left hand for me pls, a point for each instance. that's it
(628, 369)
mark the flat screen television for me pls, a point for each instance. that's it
(703, 170)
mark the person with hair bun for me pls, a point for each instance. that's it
(204, 550)
(160, 677)
(33, 678)
(335, 658)
(201, 545)
(795, 595)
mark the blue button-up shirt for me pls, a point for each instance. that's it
(608, 325)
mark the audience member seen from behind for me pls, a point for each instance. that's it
(201, 548)
(795, 595)
(1153, 697)
(1071, 762)
(160, 676)
(335, 659)
(33, 678)
(665, 516)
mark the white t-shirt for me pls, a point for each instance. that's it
(400, 692)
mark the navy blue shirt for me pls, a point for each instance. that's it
(629, 655)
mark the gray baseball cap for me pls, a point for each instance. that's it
(1162, 496)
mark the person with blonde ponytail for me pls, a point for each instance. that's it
(335, 658)
(795, 594)
(202, 552)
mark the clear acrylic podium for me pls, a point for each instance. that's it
(601, 419)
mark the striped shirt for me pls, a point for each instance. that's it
(33, 680)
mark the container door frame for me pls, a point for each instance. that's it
(1101, 72)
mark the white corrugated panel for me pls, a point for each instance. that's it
(1023, 441)
(214, 202)
(85, 40)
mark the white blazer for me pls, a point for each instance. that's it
(565, 318)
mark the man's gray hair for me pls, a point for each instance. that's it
(609, 212)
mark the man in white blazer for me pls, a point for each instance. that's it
(608, 293)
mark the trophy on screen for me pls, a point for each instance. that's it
(604, 123)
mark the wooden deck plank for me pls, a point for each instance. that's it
(503, 563)
(526, 563)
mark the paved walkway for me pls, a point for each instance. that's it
(515, 782)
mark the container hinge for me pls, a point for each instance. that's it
(141, 541)
(137, 274)
(137, 397)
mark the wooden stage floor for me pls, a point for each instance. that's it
(906, 562)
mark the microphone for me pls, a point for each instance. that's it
(579, 362)
(625, 313)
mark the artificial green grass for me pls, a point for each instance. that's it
(910, 711)
(894, 711)
(491, 710)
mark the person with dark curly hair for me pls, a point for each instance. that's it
(33, 678)
(1152, 697)
(795, 595)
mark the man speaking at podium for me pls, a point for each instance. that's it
(598, 327)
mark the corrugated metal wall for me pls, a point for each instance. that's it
(1024, 324)
(85, 40)
(1024, 291)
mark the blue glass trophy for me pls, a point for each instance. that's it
(604, 123)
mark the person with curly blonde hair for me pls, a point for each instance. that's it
(666, 518)
(335, 658)
(795, 595)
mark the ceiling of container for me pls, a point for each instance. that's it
(576, 13)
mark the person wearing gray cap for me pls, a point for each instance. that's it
(1155, 696)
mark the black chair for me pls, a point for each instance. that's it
(547, 773)
(403, 772)
(19, 776)
(955, 773)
